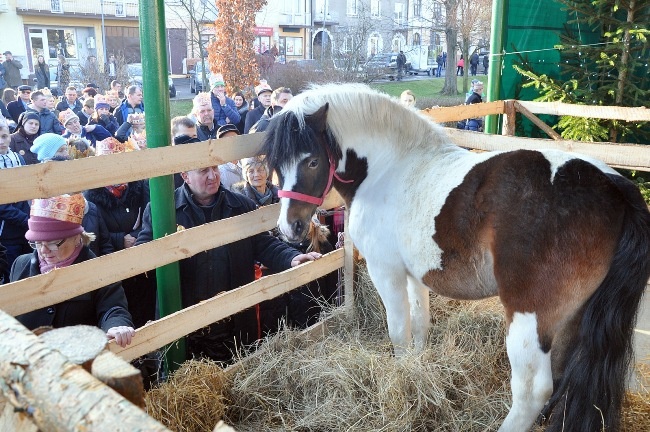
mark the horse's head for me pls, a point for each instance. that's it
(304, 155)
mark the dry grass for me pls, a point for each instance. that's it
(349, 381)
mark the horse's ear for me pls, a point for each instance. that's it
(318, 120)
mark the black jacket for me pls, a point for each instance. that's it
(253, 116)
(122, 215)
(105, 307)
(21, 144)
(94, 223)
(224, 268)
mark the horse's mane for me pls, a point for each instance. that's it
(355, 111)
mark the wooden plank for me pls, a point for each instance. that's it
(172, 327)
(350, 268)
(60, 396)
(540, 124)
(50, 179)
(461, 112)
(61, 284)
(603, 112)
(628, 156)
(509, 118)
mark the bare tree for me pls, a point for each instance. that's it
(195, 14)
(473, 26)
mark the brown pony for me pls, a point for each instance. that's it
(265, 62)
(562, 239)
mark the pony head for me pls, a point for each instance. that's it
(303, 153)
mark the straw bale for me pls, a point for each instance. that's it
(350, 381)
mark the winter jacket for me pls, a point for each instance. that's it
(243, 113)
(221, 113)
(105, 307)
(123, 110)
(253, 117)
(263, 122)
(16, 108)
(224, 268)
(98, 134)
(108, 121)
(3, 72)
(63, 105)
(13, 222)
(21, 144)
(204, 133)
(94, 223)
(49, 122)
(12, 73)
(247, 190)
(42, 75)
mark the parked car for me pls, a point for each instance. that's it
(134, 70)
(384, 65)
(196, 77)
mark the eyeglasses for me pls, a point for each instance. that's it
(26, 91)
(51, 246)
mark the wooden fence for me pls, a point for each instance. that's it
(45, 180)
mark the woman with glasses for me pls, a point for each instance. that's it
(59, 240)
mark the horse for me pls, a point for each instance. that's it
(266, 61)
(561, 238)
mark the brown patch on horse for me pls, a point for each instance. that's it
(508, 215)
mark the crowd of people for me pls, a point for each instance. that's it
(38, 236)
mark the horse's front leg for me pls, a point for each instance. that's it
(391, 285)
(420, 313)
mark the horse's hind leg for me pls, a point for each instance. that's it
(532, 382)
(420, 312)
(391, 285)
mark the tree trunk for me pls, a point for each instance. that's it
(451, 32)
(59, 396)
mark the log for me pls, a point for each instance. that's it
(80, 344)
(58, 395)
(121, 376)
(539, 123)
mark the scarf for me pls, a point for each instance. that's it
(117, 190)
(9, 160)
(264, 198)
(45, 267)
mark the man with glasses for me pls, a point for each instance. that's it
(17, 107)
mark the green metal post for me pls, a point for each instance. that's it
(163, 214)
(499, 21)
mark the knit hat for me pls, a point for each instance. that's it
(228, 127)
(66, 116)
(46, 145)
(56, 218)
(263, 87)
(27, 115)
(216, 80)
(101, 102)
(109, 145)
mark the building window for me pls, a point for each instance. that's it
(61, 42)
(417, 8)
(291, 7)
(399, 14)
(416, 39)
(292, 45)
(352, 8)
(348, 44)
(56, 6)
(375, 8)
(437, 11)
(262, 44)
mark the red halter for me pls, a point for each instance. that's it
(312, 199)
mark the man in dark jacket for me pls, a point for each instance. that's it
(17, 107)
(12, 70)
(71, 100)
(49, 122)
(206, 127)
(200, 200)
(473, 63)
(264, 92)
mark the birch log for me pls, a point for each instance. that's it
(59, 396)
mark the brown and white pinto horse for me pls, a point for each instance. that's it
(562, 239)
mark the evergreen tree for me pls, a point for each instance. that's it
(609, 70)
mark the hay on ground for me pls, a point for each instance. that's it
(350, 381)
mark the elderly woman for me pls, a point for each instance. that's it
(256, 184)
(29, 126)
(58, 239)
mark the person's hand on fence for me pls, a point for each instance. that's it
(302, 258)
(129, 241)
(122, 335)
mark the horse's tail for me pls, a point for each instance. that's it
(592, 387)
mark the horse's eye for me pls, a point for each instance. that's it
(313, 163)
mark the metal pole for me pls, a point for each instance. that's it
(163, 214)
(103, 34)
(499, 22)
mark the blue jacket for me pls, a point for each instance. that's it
(229, 110)
(13, 221)
(122, 111)
(49, 122)
(98, 134)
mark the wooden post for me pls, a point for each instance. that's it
(509, 118)
(57, 395)
(349, 268)
(540, 124)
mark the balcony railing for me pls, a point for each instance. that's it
(330, 18)
(112, 8)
